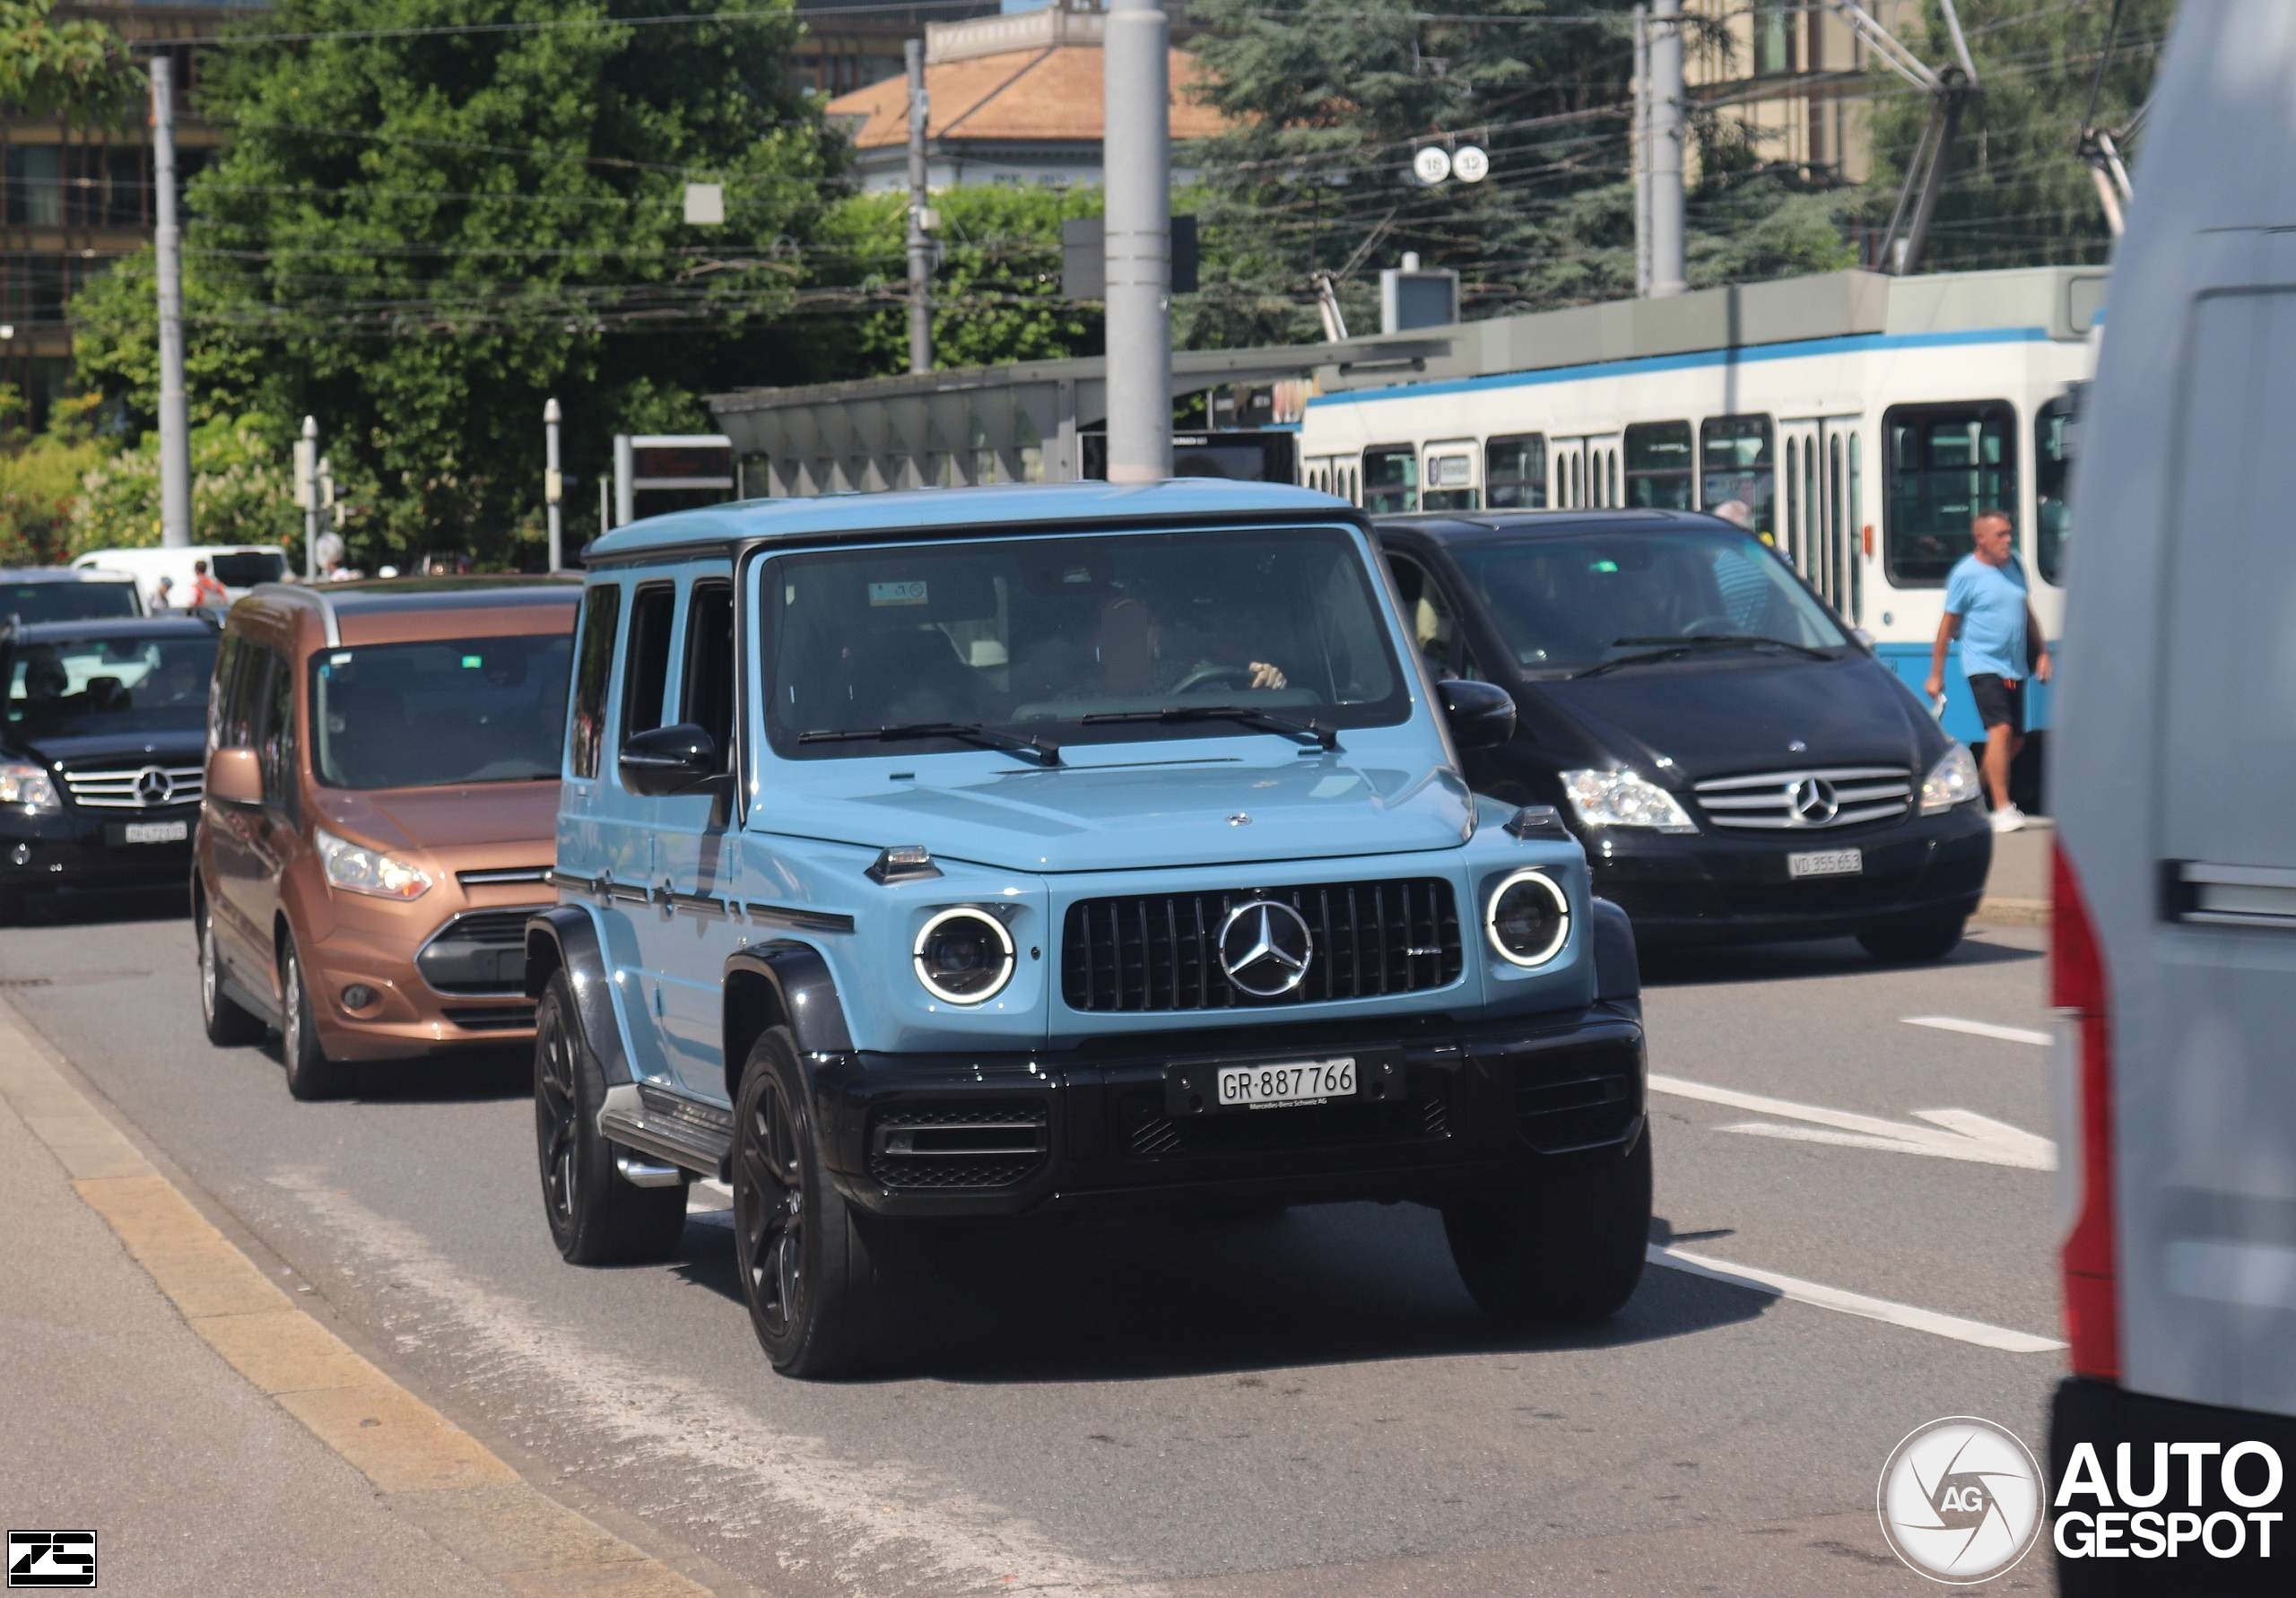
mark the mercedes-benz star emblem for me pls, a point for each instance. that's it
(1812, 802)
(153, 785)
(1265, 948)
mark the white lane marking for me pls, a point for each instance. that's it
(699, 1453)
(1976, 1029)
(1936, 1322)
(1950, 1134)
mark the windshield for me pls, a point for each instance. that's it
(247, 568)
(1567, 602)
(439, 714)
(66, 600)
(1033, 635)
(118, 684)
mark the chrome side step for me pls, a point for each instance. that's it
(667, 1127)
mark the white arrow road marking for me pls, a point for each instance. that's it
(1949, 1134)
(1976, 1029)
(1931, 1321)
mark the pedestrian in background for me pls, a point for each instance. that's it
(205, 590)
(1988, 609)
(163, 596)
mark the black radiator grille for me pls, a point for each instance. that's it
(1160, 952)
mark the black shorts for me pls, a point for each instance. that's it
(2000, 703)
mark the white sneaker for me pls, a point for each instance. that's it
(2008, 818)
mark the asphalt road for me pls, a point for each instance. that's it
(1307, 1404)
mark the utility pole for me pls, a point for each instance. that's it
(174, 421)
(1136, 163)
(920, 244)
(307, 473)
(554, 485)
(1642, 143)
(1666, 268)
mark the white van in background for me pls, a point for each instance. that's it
(238, 567)
(2173, 776)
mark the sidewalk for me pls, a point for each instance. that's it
(2016, 889)
(162, 1392)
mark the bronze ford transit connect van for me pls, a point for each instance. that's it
(382, 785)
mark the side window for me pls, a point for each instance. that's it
(243, 701)
(1433, 629)
(1735, 462)
(2053, 436)
(1514, 473)
(593, 672)
(1947, 464)
(275, 744)
(708, 686)
(646, 664)
(1658, 466)
(1391, 479)
(218, 696)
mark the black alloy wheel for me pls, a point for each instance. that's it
(557, 1114)
(770, 1211)
(596, 1217)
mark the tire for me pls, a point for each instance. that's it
(596, 1217)
(310, 1074)
(1567, 1246)
(228, 1025)
(813, 1271)
(1919, 941)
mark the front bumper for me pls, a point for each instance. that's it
(1092, 1129)
(85, 849)
(406, 1017)
(1715, 885)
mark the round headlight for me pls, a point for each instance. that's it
(964, 957)
(1528, 918)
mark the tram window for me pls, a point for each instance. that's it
(1514, 473)
(1658, 465)
(1947, 464)
(1736, 463)
(1450, 480)
(1391, 479)
(2054, 427)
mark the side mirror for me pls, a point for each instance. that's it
(234, 776)
(679, 759)
(1481, 714)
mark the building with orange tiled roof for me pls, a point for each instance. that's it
(1015, 99)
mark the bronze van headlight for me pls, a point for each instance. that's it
(1527, 918)
(964, 955)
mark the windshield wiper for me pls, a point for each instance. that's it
(964, 731)
(1672, 648)
(1308, 731)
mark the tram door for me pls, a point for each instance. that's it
(1819, 473)
(1586, 472)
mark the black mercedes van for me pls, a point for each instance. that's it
(1736, 762)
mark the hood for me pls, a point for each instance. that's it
(1721, 718)
(144, 748)
(1081, 818)
(523, 815)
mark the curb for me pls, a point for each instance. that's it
(423, 1466)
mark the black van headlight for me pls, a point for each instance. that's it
(1527, 918)
(964, 955)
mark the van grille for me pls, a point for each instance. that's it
(140, 787)
(1808, 801)
(479, 951)
(1160, 952)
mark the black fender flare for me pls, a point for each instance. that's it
(1618, 969)
(565, 938)
(781, 983)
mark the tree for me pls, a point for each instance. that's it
(438, 212)
(2017, 192)
(77, 68)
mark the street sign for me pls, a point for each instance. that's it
(1431, 164)
(1469, 164)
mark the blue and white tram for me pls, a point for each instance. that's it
(1862, 420)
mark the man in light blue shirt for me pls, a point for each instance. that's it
(1987, 608)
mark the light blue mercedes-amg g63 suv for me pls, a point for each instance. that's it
(978, 854)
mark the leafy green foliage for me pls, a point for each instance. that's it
(41, 477)
(242, 491)
(2017, 192)
(76, 68)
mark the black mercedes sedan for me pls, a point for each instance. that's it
(1735, 762)
(101, 752)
